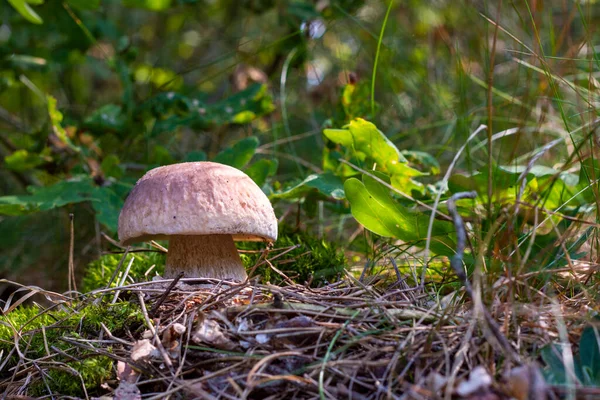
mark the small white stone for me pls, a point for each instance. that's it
(262, 338)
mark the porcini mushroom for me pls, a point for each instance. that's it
(201, 208)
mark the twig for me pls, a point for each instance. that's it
(398, 275)
(364, 270)
(437, 201)
(122, 281)
(159, 344)
(162, 298)
(71, 279)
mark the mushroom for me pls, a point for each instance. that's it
(201, 208)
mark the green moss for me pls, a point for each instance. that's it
(91, 372)
(314, 257)
(99, 272)
(82, 321)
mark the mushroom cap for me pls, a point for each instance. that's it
(196, 198)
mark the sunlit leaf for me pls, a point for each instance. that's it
(153, 5)
(375, 150)
(26, 11)
(374, 207)
(56, 118)
(22, 160)
(239, 154)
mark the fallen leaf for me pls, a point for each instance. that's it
(479, 380)
(126, 373)
(525, 382)
(127, 391)
(208, 331)
(142, 350)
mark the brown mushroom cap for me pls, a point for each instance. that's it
(196, 198)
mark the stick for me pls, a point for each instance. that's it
(71, 279)
(162, 298)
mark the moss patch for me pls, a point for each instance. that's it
(99, 272)
(316, 260)
(70, 367)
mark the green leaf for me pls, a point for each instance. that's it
(422, 158)
(107, 205)
(261, 170)
(79, 189)
(555, 369)
(374, 207)
(365, 138)
(589, 353)
(373, 148)
(243, 117)
(160, 155)
(555, 372)
(366, 210)
(173, 110)
(339, 136)
(26, 11)
(22, 160)
(326, 183)
(66, 192)
(13, 206)
(303, 10)
(110, 166)
(109, 117)
(239, 154)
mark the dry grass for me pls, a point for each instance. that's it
(371, 339)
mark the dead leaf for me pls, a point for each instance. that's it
(127, 391)
(208, 331)
(143, 349)
(525, 383)
(244, 75)
(126, 373)
(479, 380)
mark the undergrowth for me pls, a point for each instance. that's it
(304, 258)
(309, 259)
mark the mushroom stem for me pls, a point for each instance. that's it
(206, 256)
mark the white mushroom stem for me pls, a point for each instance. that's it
(206, 256)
